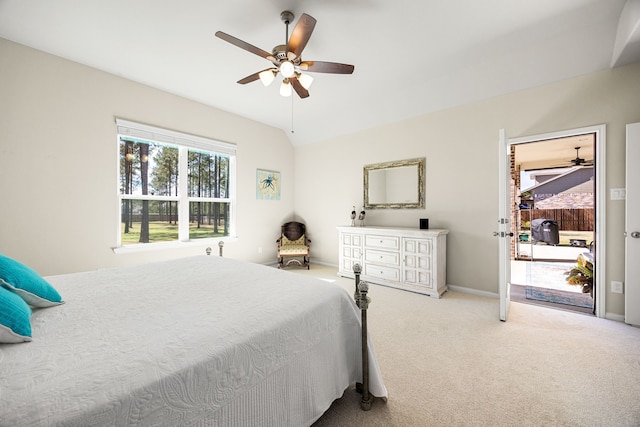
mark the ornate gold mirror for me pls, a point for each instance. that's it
(394, 185)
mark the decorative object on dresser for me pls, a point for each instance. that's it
(394, 185)
(405, 258)
(353, 217)
(293, 245)
(361, 217)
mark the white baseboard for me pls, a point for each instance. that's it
(614, 316)
(326, 264)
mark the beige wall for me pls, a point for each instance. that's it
(461, 150)
(58, 163)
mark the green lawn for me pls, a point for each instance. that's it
(164, 232)
(566, 236)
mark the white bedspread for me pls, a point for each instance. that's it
(195, 341)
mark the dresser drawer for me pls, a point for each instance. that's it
(419, 262)
(351, 252)
(382, 242)
(382, 257)
(417, 277)
(346, 265)
(351, 239)
(382, 272)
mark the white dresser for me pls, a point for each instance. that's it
(405, 258)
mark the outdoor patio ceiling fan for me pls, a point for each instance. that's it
(287, 60)
(579, 161)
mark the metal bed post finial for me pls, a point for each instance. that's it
(220, 245)
(208, 250)
(357, 269)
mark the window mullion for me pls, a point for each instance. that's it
(183, 204)
(162, 163)
(148, 197)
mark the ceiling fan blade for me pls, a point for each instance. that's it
(326, 67)
(301, 34)
(243, 45)
(253, 77)
(297, 86)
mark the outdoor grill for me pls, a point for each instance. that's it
(545, 230)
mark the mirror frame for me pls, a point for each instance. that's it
(420, 163)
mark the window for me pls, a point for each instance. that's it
(173, 187)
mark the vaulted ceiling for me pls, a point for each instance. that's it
(411, 57)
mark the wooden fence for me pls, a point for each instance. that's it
(567, 219)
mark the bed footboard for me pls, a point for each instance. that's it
(362, 300)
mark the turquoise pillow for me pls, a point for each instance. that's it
(25, 282)
(15, 314)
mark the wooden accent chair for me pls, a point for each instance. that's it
(293, 245)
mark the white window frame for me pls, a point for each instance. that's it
(184, 142)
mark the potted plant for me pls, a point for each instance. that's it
(582, 274)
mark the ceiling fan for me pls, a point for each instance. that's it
(287, 60)
(578, 161)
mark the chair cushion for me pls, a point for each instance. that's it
(294, 250)
(286, 242)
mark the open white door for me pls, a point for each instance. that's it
(504, 224)
(632, 228)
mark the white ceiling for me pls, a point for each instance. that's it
(411, 57)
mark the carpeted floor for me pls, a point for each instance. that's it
(451, 362)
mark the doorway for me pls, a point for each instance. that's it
(554, 217)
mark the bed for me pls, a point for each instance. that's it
(195, 341)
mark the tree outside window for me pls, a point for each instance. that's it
(172, 192)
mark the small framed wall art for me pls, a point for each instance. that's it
(267, 185)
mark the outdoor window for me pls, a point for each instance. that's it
(173, 187)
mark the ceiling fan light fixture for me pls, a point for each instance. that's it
(305, 80)
(287, 69)
(267, 77)
(285, 88)
(287, 58)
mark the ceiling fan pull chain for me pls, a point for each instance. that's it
(292, 114)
